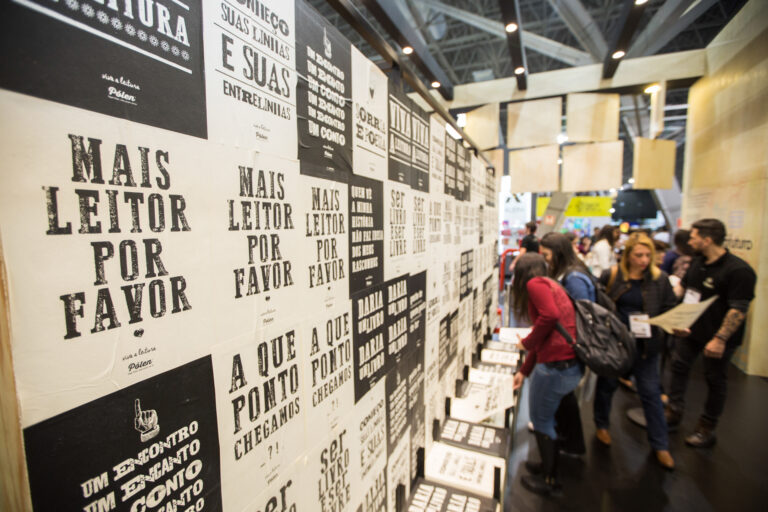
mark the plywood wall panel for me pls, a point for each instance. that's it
(534, 169)
(592, 117)
(534, 123)
(483, 126)
(654, 163)
(589, 167)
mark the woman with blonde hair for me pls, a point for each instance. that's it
(640, 290)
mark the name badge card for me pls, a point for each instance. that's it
(691, 296)
(638, 324)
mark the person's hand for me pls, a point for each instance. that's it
(714, 348)
(681, 333)
(518, 380)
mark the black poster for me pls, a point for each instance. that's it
(375, 498)
(396, 318)
(417, 307)
(416, 408)
(465, 284)
(473, 436)
(323, 98)
(369, 348)
(450, 165)
(461, 172)
(490, 185)
(432, 497)
(448, 345)
(141, 61)
(366, 233)
(400, 133)
(151, 444)
(397, 405)
(419, 148)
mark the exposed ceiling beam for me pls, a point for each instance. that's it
(394, 21)
(431, 40)
(548, 47)
(670, 67)
(350, 12)
(672, 18)
(622, 36)
(510, 16)
(583, 27)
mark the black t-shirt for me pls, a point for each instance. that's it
(729, 277)
(630, 301)
(530, 243)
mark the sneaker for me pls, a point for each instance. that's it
(603, 436)
(702, 437)
(665, 459)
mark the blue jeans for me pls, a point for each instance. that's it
(646, 372)
(548, 387)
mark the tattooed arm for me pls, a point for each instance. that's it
(732, 321)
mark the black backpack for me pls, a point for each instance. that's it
(603, 342)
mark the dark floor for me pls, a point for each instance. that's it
(731, 476)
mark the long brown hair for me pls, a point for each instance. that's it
(528, 266)
(636, 239)
(564, 258)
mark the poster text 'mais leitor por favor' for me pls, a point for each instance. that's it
(151, 168)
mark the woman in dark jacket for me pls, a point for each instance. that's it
(550, 362)
(641, 291)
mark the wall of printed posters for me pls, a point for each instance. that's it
(234, 251)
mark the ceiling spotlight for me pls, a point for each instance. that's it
(559, 161)
(407, 50)
(616, 55)
(511, 27)
(612, 210)
(519, 70)
(652, 89)
(641, 2)
(561, 138)
(435, 84)
(613, 191)
(631, 180)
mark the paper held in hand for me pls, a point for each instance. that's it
(513, 334)
(681, 317)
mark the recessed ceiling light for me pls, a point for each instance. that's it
(652, 89)
(519, 70)
(407, 50)
(618, 54)
(511, 27)
(435, 84)
(641, 2)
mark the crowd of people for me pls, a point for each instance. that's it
(642, 276)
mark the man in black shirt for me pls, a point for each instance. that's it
(718, 332)
(529, 243)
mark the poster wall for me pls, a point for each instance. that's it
(235, 252)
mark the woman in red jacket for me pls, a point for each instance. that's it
(550, 362)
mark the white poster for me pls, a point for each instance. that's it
(328, 369)
(104, 235)
(323, 221)
(334, 483)
(369, 99)
(259, 251)
(398, 229)
(419, 208)
(250, 74)
(260, 409)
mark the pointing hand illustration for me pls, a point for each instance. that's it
(145, 422)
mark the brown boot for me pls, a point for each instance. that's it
(603, 436)
(665, 459)
(703, 436)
